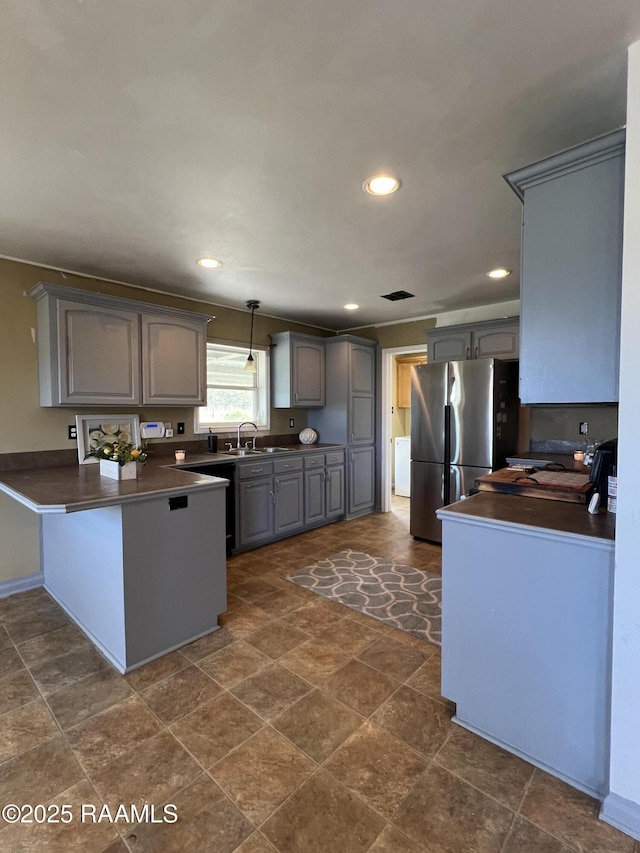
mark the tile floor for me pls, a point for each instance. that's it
(299, 727)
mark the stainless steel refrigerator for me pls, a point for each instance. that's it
(464, 423)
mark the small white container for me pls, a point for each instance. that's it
(128, 471)
(180, 454)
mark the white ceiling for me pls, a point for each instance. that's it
(136, 137)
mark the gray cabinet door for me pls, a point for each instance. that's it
(173, 361)
(362, 419)
(571, 273)
(362, 369)
(453, 345)
(98, 360)
(361, 479)
(314, 496)
(297, 371)
(289, 503)
(334, 491)
(308, 372)
(255, 504)
(497, 343)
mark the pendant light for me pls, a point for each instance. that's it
(250, 366)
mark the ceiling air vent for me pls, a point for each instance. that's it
(396, 295)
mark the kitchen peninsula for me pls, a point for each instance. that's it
(526, 629)
(140, 564)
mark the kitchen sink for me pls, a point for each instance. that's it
(275, 449)
(242, 451)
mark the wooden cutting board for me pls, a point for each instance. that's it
(551, 485)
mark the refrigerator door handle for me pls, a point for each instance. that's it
(447, 452)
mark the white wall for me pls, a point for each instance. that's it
(622, 807)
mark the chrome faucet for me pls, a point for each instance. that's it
(247, 423)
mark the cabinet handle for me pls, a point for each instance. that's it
(288, 465)
(273, 497)
(277, 485)
(468, 352)
(475, 353)
(352, 456)
(256, 470)
(351, 436)
(296, 396)
(324, 476)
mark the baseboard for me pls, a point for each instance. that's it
(596, 793)
(21, 584)
(621, 813)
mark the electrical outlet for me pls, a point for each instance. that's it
(73, 432)
(583, 427)
(180, 427)
(291, 422)
(168, 433)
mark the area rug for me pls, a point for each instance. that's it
(401, 596)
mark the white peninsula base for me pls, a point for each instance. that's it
(526, 633)
(140, 578)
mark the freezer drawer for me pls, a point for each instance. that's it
(427, 495)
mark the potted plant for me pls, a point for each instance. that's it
(118, 459)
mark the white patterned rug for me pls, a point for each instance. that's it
(401, 596)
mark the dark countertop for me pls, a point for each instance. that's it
(193, 459)
(73, 488)
(552, 516)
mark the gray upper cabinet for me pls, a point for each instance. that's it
(571, 273)
(491, 339)
(297, 371)
(174, 368)
(101, 350)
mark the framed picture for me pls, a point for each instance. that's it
(92, 429)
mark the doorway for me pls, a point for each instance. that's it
(396, 419)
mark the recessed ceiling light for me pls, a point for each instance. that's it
(499, 273)
(210, 263)
(381, 185)
(351, 306)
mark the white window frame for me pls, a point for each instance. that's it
(261, 356)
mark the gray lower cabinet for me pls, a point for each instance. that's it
(361, 463)
(281, 497)
(289, 503)
(334, 492)
(324, 492)
(571, 278)
(315, 502)
(255, 511)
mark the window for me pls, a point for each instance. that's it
(233, 394)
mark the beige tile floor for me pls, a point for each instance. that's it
(300, 726)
